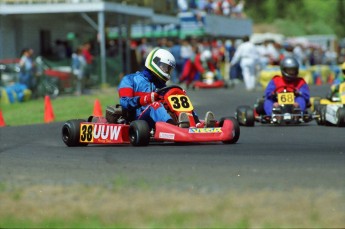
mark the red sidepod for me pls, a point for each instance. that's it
(216, 84)
(169, 132)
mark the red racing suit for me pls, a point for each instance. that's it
(193, 67)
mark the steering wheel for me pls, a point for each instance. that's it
(164, 90)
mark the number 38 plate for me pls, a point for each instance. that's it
(286, 98)
(180, 103)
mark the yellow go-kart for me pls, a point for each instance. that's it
(330, 110)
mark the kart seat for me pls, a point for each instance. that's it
(116, 114)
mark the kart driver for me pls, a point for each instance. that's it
(290, 81)
(137, 91)
(333, 95)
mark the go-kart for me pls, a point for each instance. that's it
(120, 127)
(330, 110)
(284, 114)
(209, 81)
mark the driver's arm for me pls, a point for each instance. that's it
(270, 91)
(304, 92)
(126, 93)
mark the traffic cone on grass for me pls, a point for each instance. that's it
(2, 121)
(48, 110)
(97, 110)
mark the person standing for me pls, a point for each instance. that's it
(78, 69)
(86, 51)
(247, 56)
(27, 68)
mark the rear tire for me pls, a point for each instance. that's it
(71, 133)
(236, 129)
(139, 133)
(341, 117)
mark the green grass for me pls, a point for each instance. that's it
(101, 207)
(64, 107)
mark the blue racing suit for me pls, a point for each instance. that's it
(138, 84)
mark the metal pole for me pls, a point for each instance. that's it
(102, 47)
(128, 43)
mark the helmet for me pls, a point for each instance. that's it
(161, 62)
(206, 55)
(289, 68)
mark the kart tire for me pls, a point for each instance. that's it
(248, 119)
(71, 133)
(321, 110)
(341, 117)
(236, 129)
(316, 104)
(139, 133)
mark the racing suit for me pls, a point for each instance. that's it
(136, 85)
(194, 68)
(278, 84)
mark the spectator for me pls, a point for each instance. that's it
(27, 68)
(182, 5)
(175, 49)
(237, 10)
(86, 51)
(78, 69)
(248, 57)
(143, 50)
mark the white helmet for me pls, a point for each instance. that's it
(206, 55)
(161, 62)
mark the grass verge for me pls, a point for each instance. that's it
(64, 107)
(97, 207)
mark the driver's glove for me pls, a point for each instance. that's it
(148, 99)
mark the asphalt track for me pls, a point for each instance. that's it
(265, 157)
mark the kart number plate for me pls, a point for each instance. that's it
(286, 98)
(180, 103)
(100, 133)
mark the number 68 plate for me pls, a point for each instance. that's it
(286, 98)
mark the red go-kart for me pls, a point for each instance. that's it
(119, 126)
(209, 81)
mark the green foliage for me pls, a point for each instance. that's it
(300, 17)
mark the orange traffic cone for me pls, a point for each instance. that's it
(2, 121)
(330, 79)
(318, 81)
(97, 110)
(48, 110)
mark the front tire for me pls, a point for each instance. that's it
(236, 129)
(139, 133)
(245, 116)
(71, 133)
(321, 111)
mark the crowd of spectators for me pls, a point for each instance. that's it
(230, 8)
(269, 53)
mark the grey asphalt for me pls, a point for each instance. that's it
(265, 157)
